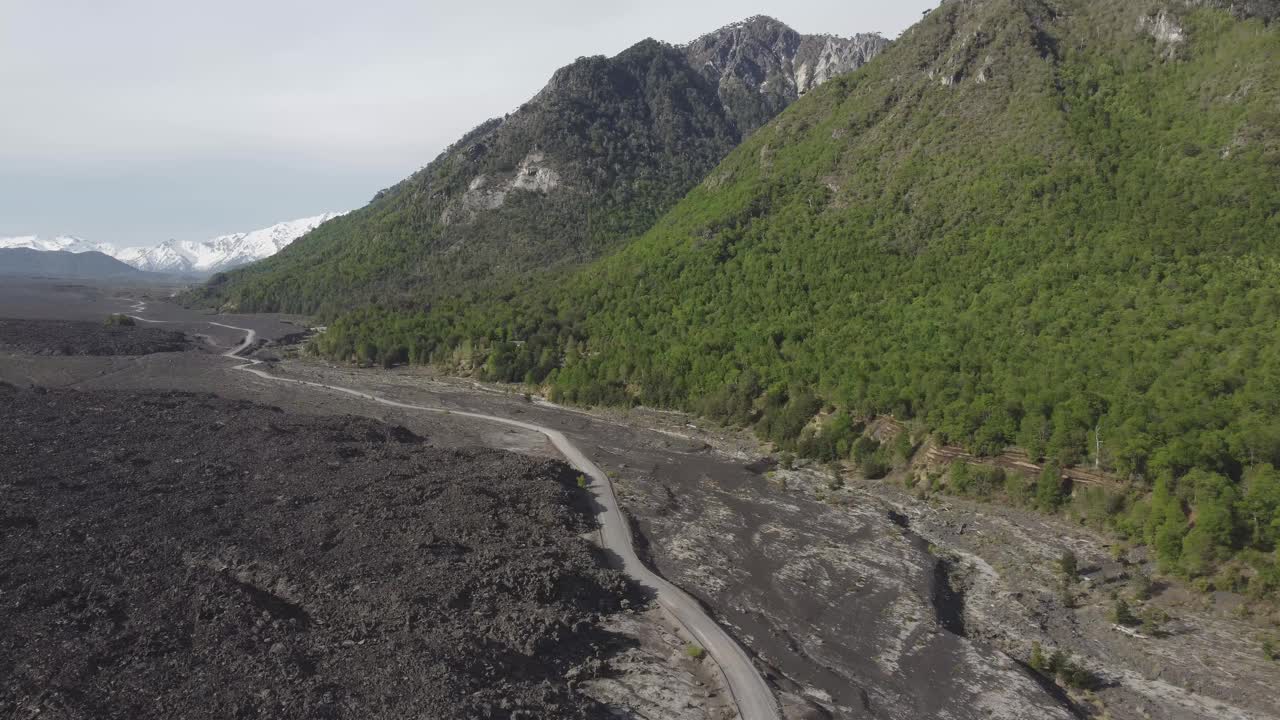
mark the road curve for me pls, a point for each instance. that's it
(249, 337)
(750, 692)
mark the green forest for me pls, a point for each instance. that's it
(1017, 227)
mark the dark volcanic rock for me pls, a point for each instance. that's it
(172, 555)
(66, 337)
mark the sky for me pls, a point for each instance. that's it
(136, 121)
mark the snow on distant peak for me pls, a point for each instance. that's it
(188, 256)
(63, 243)
(223, 252)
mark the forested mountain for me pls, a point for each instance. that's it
(595, 157)
(1049, 223)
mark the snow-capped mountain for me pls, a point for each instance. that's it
(187, 257)
(223, 252)
(63, 243)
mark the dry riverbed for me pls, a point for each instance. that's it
(861, 602)
(854, 596)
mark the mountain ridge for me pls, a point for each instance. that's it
(224, 252)
(1044, 225)
(185, 257)
(59, 243)
(592, 159)
(89, 264)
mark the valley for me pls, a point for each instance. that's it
(861, 603)
(755, 373)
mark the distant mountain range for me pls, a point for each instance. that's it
(87, 264)
(183, 257)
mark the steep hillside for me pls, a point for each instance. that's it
(1044, 223)
(604, 149)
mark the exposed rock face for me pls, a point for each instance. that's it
(753, 70)
(1162, 26)
(761, 65)
(594, 158)
(486, 192)
(1165, 28)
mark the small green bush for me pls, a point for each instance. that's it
(1153, 620)
(695, 651)
(903, 448)
(1068, 565)
(1075, 675)
(118, 320)
(1038, 662)
(1141, 587)
(1067, 670)
(875, 468)
(1122, 615)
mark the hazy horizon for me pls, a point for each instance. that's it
(135, 122)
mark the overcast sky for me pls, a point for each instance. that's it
(133, 121)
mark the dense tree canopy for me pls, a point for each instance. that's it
(1033, 224)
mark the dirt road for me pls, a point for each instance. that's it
(751, 694)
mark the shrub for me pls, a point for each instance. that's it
(1015, 487)
(835, 482)
(1122, 615)
(1038, 662)
(864, 448)
(1068, 565)
(1141, 586)
(118, 320)
(1051, 491)
(695, 651)
(1153, 619)
(903, 448)
(1066, 669)
(875, 467)
(1074, 674)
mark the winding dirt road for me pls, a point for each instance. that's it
(751, 694)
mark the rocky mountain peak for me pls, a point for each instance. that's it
(757, 28)
(760, 64)
(589, 161)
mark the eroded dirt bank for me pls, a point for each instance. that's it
(176, 555)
